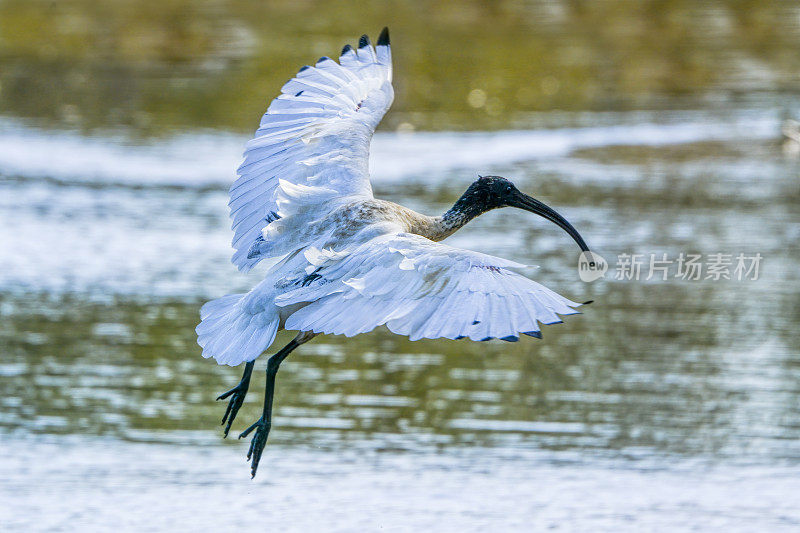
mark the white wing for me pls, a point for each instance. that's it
(422, 289)
(311, 152)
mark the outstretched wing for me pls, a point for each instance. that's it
(311, 151)
(422, 289)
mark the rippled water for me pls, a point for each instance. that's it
(661, 386)
(669, 404)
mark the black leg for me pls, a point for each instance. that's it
(264, 424)
(237, 399)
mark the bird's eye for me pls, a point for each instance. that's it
(509, 188)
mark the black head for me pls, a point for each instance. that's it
(491, 192)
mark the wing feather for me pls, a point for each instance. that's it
(421, 289)
(315, 135)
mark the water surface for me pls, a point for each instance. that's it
(684, 385)
(669, 404)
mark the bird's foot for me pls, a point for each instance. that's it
(237, 395)
(262, 428)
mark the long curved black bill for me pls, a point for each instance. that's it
(523, 201)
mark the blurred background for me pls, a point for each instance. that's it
(656, 127)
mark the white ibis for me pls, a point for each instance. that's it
(351, 262)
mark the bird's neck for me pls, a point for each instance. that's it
(454, 218)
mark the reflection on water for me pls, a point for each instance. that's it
(668, 404)
(679, 379)
(696, 381)
(147, 486)
(697, 368)
(161, 65)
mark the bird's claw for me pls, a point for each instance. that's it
(234, 404)
(262, 428)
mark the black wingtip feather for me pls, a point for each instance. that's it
(304, 68)
(383, 38)
(587, 302)
(346, 49)
(363, 41)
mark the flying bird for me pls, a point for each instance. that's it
(350, 262)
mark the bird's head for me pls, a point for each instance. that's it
(492, 192)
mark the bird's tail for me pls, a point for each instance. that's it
(231, 334)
